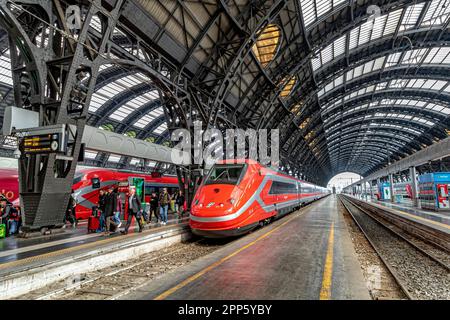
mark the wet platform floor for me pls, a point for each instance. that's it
(305, 255)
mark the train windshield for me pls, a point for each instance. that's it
(225, 173)
(77, 178)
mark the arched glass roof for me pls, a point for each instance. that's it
(339, 78)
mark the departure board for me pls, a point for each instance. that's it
(45, 143)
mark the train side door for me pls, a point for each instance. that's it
(443, 199)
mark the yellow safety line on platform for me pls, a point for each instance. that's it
(182, 284)
(76, 248)
(325, 292)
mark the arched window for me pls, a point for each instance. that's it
(288, 87)
(266, 47)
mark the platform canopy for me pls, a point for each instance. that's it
(352, 85)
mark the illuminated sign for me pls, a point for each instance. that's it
(45, 143)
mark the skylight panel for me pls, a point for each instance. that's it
(392, 22)
(135, 161)
(414, 56)
(149, 117)
(161, 128)
(90, 154)
(151, 164)
(5, 69)
(393, 59)
(114, 158)
(308, 11)
(312, 10)
(437, 13)
(411, 16)
(438, 56)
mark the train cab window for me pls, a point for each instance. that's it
(77, 178)
(95, 183)
(225, 173)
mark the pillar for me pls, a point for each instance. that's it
(371, 189)
(365, 190)
(391, 186)
(414, 188)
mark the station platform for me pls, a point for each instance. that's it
(31, 264)
(305, 255)
(433, 219)
(15, 251)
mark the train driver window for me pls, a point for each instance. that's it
(225, 173)
(95, 183)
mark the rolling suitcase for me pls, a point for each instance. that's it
(93, 223)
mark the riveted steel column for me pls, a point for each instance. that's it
(391, 186)
(414, 188)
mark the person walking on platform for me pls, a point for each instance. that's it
(154, 208)
(118, 210)
(110, 208)
(134, 210)
(70, 212)
(101, 206)
(9, 216)
(164, 201)
(179, 203)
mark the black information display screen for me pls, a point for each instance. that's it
(45, 143)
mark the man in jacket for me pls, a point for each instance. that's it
(101, 206)
(134, 210)
(110, 208)
(179, 204)
(164, 200)
(154, 208)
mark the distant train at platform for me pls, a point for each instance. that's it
(238, 195)
(89, 181)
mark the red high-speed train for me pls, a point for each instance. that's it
(87, 184)
(237, 196)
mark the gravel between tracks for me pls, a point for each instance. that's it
(119, 279)
(379, 281)
(421, 276)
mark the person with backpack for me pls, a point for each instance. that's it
(179, 204)
(164, 201)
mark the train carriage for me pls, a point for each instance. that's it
(237, 196)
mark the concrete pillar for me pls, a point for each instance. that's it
(365, 190)
(391, 186)
(414, 188)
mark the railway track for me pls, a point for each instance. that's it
(420, 272)
(120, 279)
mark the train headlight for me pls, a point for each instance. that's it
(232, 201)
